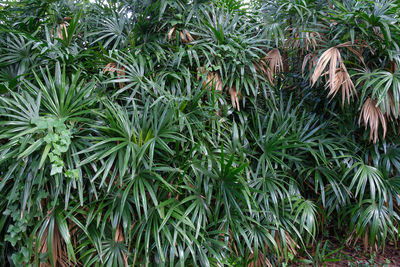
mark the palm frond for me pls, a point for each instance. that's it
(213, 79)
(235, 96)
(113, 67)
(372, 117)
(270, 65)
(337, 73)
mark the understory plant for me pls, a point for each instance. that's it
(196, 133)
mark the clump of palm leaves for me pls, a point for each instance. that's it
(271, 64)
(372, 116)
(118, 146)
(339, 77)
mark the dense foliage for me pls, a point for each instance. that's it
(196, 133)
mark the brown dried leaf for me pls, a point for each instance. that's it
(213, 80)
(392, 107)
(171, 31)
(60, 254)
(60, 28)
(110, 67)
(183, 37)
(305, 41)
(342, 81)
(291, 245)
(217, 82)
(372, 116)
(271, 64)
(352, 48)
(235, 96)
(189, 37)
(113, 67)
(261, 261)
(311, 59)
(339, 77)
(311, 40)
(332, 56)
(119, 237)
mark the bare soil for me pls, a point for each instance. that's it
(356, 256)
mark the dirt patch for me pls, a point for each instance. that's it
(356, 256)
(335, 254)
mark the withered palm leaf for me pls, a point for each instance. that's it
(304, 40)
(372, 116)
(270, 65)
(113, 67)
(337, 72)
(311, 60)
(184, 35)
(62, 28)
(213, 79)
(342, 81)
(54, 239)
(384, 87)
(235, 96)
(119, 237)
(331, 56)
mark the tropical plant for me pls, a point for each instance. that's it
(196, 133)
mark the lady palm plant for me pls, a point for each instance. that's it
(41, 125)
(123, 149)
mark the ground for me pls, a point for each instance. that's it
(336, 254)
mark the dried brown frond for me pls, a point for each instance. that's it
(365, 239)
(356, 48)
(231, 242)
(62, 27)
(171, 31)
(119, 237)
(270, 65)
(337, 72)
(113, 67)
(73, 230)
(354, 238)
(305, 41)
(235, 96)
(377, 31)
(189, 37)
(331, 56)
(395, 67)
(184, 35)
(372, 116)
(291, 245)
(213, 79)
(43, 247)
(342, 81)
(311, 59)
(261, 261)
(358, 53)
(311, 40)
(217, 82)
(390, 108)
(110, 67)
(60, 254)
(201, 71)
